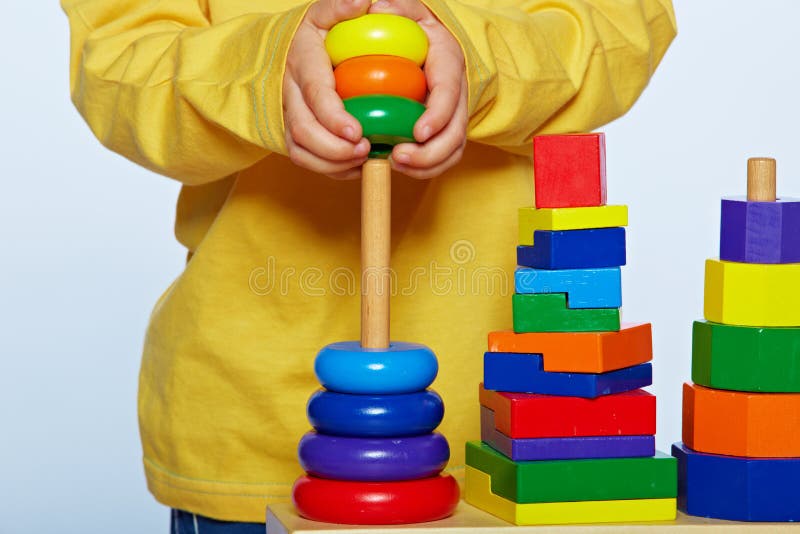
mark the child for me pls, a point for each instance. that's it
(216, 94)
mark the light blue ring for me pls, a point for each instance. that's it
(347, 367)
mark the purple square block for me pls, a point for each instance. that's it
(520, 450)
(760, 232)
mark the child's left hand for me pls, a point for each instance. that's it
(442, 129)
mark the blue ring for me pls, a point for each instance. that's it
(347, 367)
(378, 416)
(373, 459)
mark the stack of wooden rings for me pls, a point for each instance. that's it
(377, 63)
(373, 457)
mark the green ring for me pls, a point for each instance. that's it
(386, 120)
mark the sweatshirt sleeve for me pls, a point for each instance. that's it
(546, 66)
(161, 84)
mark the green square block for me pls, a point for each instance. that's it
(652, 477)
(746, 358)
(548, 312)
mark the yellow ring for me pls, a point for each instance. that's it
(377, 34)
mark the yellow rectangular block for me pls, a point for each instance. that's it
(478, 492)
(752, 294)
(532, 219)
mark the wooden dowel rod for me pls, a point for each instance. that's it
(761, 180)
(376, 231)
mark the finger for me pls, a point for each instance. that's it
(430, 155)
(439, 147)
(325, 13)
(318, 87)
(412, 9)
(303, 158)
(431, 172)
(319, 94)
(352, 174)
(306, 131)
(445, 74)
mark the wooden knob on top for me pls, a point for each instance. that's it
(761, 180)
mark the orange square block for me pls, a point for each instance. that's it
(581, 352)
(738, 423)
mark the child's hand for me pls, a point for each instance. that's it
(320, 135)
(442, 129)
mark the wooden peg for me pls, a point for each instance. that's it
(761, 180)
(376, 230)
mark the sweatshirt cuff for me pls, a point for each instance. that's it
(267, 86)
(478, 74)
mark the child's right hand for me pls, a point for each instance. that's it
(320, 135)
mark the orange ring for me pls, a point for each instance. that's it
(380, 75)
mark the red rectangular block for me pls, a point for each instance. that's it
(527, 415)
(569, 171)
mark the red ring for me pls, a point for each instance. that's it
(375, 503)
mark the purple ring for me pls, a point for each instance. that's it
(373, 459)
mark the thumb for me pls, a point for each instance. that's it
(325, 13)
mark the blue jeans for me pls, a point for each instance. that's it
(188, 523)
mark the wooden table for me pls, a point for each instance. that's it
(282, 519)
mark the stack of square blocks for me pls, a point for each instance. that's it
(740, 456)
(567, 435)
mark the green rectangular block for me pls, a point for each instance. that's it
(548, 312)
(746, 358)
(653, 477)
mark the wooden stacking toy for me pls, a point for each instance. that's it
(567, 433)
(740, 455)
(373, 457)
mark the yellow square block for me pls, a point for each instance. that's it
(532, 219)
(752, 294)
(478, 492)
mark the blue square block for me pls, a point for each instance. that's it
(585, 288)
(737, 488)
(574, 249)
(524, 373)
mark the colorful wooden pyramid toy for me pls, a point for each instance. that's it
(740, 455)
(373, 457)
(568, 435)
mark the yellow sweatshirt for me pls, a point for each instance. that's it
(192, 89)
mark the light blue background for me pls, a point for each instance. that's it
(86, 246)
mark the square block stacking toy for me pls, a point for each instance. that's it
(569, 171)
(581, 352)
(533, 219)
(509, 371)
(740, 455)
(588, 248)
(373, 456)
(584, 288)
(567, 433)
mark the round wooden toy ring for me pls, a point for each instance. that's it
(347, 367)
(373, 459)
(377, 34)
(380, 75)
(385, 120)
(379, 416)
(375, 503)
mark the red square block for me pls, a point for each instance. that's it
(569, 171)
